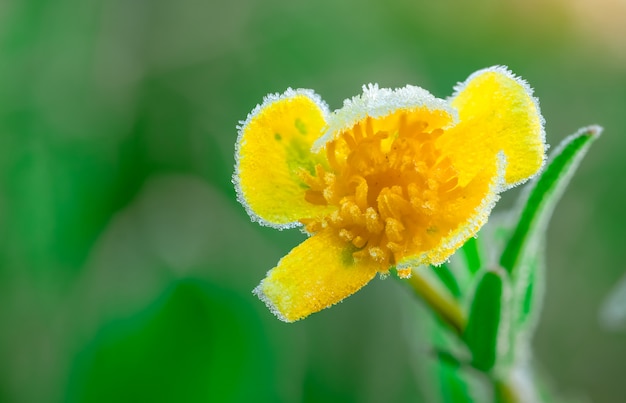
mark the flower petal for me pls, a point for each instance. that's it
(316, 274)
(379, 103)
(497, 112)
(460, 217)
(273, 150)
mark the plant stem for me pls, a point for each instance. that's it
(517, 385)
(442, 303)
(505, 392)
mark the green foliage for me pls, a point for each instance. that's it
(448, 279)
(472, 255)
(523, 254)
(544, 194)
(485, 318)
(454, 385)
(502, 298)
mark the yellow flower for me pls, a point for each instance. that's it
(395, 178)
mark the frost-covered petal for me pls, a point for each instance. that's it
(497, 112)
(316, 274)
(273, 151)
(380, 102)
(458, 219)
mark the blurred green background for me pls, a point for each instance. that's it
(126, 263)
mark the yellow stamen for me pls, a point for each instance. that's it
(385, 188)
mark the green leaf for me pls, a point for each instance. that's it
(446, 276)
(531, 290)
(449, 376)
(523, 253)
(472, 256)
(455, 385)
(485, 317)
(545, 192)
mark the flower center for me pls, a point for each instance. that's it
(388, 183)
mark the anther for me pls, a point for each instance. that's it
(378, 254)
(359, 241)
(315, 197)
(372, 221)
(346, 235)
(393, 229)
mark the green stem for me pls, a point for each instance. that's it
(505, 392)
(442, 303)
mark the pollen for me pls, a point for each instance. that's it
(388, 184)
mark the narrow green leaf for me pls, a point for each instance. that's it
(471, 253)
(484, 322)
(522, 256)
(533, 289)
(453, 380)
(448, 279)
(545, 192)
(455, 387)
(447, 358)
